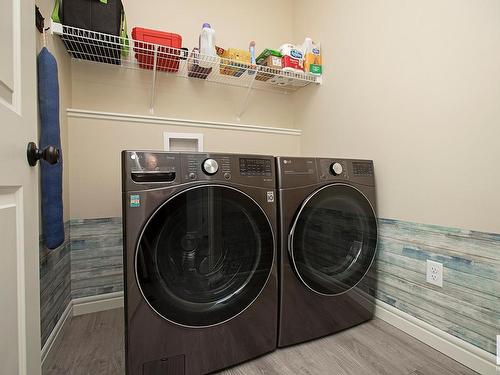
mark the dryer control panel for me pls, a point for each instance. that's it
(295, 172)
(353, 170)
(300, 171)
(333, 168)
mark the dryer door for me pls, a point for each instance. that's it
(204, 256)
(333, 240)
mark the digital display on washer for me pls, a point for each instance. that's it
(255, 167)
(362, 168)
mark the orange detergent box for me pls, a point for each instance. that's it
(312, 57)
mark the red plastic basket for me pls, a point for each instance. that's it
(169, 53)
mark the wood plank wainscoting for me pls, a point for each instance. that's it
(55, 284)
(468, 304)
(465, 312)
(96, 257)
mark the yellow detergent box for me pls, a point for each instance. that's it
(234, 62)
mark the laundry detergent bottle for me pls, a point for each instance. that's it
(208, 54)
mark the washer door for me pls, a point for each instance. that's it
(204, 256)
(333, 240)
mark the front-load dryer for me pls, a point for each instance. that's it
(328, 242)
(200, 269)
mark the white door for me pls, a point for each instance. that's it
(19, 260)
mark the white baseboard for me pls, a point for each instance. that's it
(57, 331)
(102, 302)
(461, 351)
(80, 306)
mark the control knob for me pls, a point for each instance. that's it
(210, 167)
(336, 169)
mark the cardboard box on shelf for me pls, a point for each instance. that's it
(272, 62)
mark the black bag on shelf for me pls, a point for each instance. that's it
(97, 29)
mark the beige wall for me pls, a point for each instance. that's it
(95, 156)
(56, 47)
(414, 85)
(109, 89)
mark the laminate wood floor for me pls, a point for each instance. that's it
(94, 344)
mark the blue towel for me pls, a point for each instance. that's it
(51, 175)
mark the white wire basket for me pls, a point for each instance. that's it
(102, 48)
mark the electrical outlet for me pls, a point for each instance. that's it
(435, 273)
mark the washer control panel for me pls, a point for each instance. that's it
(149, 169)
(255, 167)
(204, 166)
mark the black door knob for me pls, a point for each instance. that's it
(50, 154)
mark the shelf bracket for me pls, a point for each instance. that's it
(244, 104)
(153, 85)
(56, 28)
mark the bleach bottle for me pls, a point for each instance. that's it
(208, 54)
